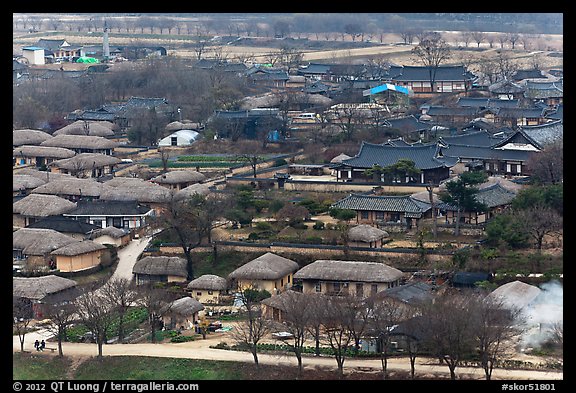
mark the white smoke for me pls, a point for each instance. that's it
(542, 314)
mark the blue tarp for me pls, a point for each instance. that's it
(384, 87)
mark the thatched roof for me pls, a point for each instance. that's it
(180, 176)
(29, 137)
(78, 248)
(128, 188)
(366, 233)
(42, 175)
(334, 270)
(208, 281)
(183, 125)
(269, 100)
(515, 294)
(281, 300)
(161, 265)
(81, 127)
(80, 142)
(188, 192)
(109, 231)
(338, 159)
(185, 306)
(40, 205)
(38, 288)
(423, 196)
(86, 161)
(42, 151)
(72, 186)
(39, 241)
(25, 182)
(266, 267)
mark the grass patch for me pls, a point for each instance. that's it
(151, 368)
(33, 366)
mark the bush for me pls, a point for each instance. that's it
(263, 226)
(182, 339)
(318, 225)
(299, 225)
(280, 162)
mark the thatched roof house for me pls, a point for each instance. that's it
(128, 188)
(82, 255)
(33, 206)
(82, 143)
(44, 289)
(207, 288)
(29, 137)
(337, 277)
(367, 234)
(191, 190)
(208, 281)
(81, 127)
(86, 164)
(338, 159)
(56, 153)
(22, 184)
(42, 175)
(111, 235)
(178, 179)
(515, 294)
(160, 268)
(182, 313)
(72, 187)
(37, 288)
(39, 241)
(269, 271)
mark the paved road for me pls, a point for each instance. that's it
(199, 349)
(127, 257)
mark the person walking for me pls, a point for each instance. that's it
(42, 345)
(37, 345)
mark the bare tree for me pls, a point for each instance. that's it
(335, 329)
(494, 326)
(95, 313)
(478, 37)
(158, 302)
(449, 327)
(547, 167)
(539, 222)
(164, 158)
(61, 315)
(21, 318)
(296, 318)
(250, 331)
(385, 314)
(430, 188)
(432, 51)
(120, 293)
(513, 38)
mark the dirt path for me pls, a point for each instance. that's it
(200, 349)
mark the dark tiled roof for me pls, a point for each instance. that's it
(452, 111)
(491, 196)
(412, 292)
(546, 133)
(506, 87)
(520, 112)
(108, 208)
(487, 153)
(537, 90)
(423, 156)
(64, 225)
(443, 73)
(469, 278)
(384, 203)
(478, 138)
(315, 68)
(408, 124)
(486, 103)
(527, 74)
(148, 103)
(557, 114)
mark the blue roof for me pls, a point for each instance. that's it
(32, 48)
(388, 86)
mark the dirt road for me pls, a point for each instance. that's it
(199, 349)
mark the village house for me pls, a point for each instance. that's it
(29, 137)
(42, 291)
(23, 184)
(182, 314)
(78, 256)
(275, 308)
(447, 79)
(128, 215)
(85, 165)
(72, 188)
(82, 143)
(84, 127)
(39, 156)
(111, 235)
(77, 229)
(366, 235)
(32, 248)
(433, 166)
(269, 272)
(121, 188)
(34, 207)
(381, 210)
(151, 269)
(208, 288)
(341, 278)
(178, 179)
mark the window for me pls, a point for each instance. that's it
(318, 287)
(373, 289)
(364, 215)
(336, 287)
(198, 293)
(210, 292)
(359, 290)
(174, 141)
(379, 215)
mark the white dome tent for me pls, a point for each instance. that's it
(179, 138)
